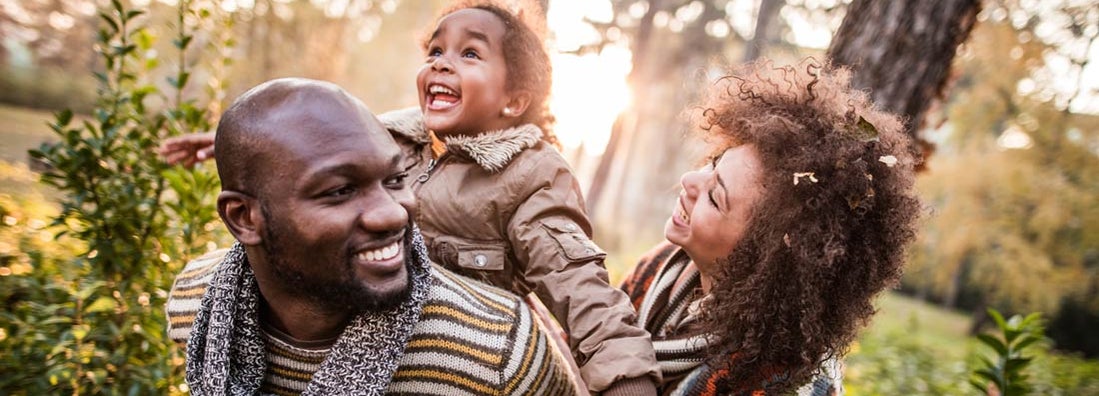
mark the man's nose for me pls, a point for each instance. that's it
(385, 214)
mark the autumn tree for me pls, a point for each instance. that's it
(1015, 188)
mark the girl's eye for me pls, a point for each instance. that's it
(471, 54)
(397, 181)
(433, 52)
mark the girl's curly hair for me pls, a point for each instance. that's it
(528, 63)
(829, 231)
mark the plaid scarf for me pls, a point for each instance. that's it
(226, 356)
(666, 289)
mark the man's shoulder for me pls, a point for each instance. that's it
(473, 338)
(185, 298)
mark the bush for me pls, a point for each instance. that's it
(92, 321)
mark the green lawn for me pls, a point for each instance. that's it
(22, 129)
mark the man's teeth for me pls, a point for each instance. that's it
(439, 89)
(384, 253)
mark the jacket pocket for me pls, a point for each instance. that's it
(574, 244)
(468, 254)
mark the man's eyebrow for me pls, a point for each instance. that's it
(396, 161)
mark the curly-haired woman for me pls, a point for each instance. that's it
(776, 249)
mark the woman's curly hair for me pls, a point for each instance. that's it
(829, 232)
(528, 63)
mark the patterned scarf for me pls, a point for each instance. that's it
(226, 356)
(666, 288)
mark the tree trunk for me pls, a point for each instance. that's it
(768, 10)
(902, 51)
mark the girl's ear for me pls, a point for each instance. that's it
(517, 105)
(242, 215)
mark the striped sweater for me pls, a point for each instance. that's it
(471, 339)
(666, 289)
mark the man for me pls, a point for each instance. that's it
(328, 290)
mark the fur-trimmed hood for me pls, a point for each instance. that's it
(492, 150)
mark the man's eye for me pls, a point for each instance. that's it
(341, 191)
(397, 181)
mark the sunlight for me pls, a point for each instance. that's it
(589, 90)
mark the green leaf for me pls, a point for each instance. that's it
(864, 131)
(996, 316)
(110, 21)
(1014, 365)
(979, 385)
(989, 376)
(1026, 342)
(182, 43)
(993, 343)
(102, 304)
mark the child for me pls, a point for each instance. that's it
(498, 203)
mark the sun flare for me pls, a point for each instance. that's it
(588, 90)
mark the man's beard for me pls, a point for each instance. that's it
(340, 294)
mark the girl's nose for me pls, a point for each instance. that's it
(441, 64)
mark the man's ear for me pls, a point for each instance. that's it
(517, 105)
(241, 213)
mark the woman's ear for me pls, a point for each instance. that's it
(517, 105)
(241, 213)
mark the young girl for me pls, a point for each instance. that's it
(497, 201)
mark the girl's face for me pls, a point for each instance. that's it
(713, 209)
(463, 83)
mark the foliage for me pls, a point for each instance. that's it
(1014, 188)
(1005, 371)
(92, 322)
(915, 348)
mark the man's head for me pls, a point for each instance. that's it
(313, 188)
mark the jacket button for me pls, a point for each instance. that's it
(480, 260)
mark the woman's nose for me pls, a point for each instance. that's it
(692, 182)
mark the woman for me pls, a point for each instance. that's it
(776, 249)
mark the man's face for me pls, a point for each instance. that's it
(336, 209)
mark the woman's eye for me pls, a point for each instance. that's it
(710, 194)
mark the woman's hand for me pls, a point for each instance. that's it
(187, 150)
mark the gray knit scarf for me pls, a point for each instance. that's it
(226, 356)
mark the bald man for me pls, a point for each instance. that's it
(328, 289)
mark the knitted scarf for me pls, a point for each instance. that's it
(226, 356)
(665, 288)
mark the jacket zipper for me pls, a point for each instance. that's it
(422, 178)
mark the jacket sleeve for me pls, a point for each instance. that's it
(550, 236)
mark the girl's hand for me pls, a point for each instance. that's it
(187, 150)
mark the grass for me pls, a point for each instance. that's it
(22, 129)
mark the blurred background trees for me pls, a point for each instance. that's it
(1012, 188)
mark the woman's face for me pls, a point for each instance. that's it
(712, 211)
